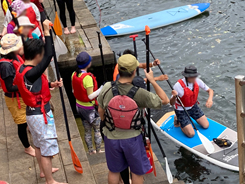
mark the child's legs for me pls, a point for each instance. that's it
(97, 135)
(88, 134)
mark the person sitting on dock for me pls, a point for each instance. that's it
(124, 147)
(188, 89)
(85, 90)
(34, 89)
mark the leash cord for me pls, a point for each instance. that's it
(99, 11)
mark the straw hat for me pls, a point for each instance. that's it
(24, 21)
(10, 43)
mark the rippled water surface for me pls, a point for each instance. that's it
(214, 42)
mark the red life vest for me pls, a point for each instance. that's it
(16, 65)
(30, 13)
(122, 111)
(80, 92)
(190, 96)
(32, 99)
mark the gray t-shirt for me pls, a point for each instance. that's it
(143, 98)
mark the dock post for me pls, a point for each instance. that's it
(240, 114)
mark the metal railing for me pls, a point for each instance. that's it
(240, 114)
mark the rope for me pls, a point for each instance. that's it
(99, 11)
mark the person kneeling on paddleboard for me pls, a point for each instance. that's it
(188, 89)
(120, 106)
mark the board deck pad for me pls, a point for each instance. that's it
(224, 157)
(155, 20)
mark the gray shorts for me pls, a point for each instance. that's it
(43, 136)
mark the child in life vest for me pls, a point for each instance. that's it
(187, 89)
(85, 90)
(34, 89)
(11, 45)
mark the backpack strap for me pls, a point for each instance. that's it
(114, 88)
(132, 92)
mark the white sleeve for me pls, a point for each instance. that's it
(7, 18)
(95, 93)
(177, 87)
(202, 85)
(36, 10)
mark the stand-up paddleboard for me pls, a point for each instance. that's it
(223, 157)
(155, 20)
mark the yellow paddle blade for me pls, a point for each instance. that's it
(57, 25)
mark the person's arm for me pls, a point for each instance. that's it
(101, 113)
(158, 89)
(9, 84)
(33, 74)
(209, 102)
(174, 97)
(154, 63)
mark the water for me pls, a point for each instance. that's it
(213, 42)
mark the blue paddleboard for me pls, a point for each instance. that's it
(155, 20)
(223, 157)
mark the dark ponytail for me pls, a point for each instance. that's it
(78, 71)
(10, 56)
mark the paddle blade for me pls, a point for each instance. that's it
(153, 163)
(60, 47)
(168, 172)
(57, 25)
(206, 143)
(76, 162)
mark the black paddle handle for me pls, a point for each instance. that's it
(169, 83)
(60, 89)
(148, 82)
(55, 7)
(102, 57)
(136, 55)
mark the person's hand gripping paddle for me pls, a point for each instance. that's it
(206, 143)
(150, 121)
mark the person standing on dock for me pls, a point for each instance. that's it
(124, 147)
(34, 89)
(11, 47)
(85, 90)
(188, 89)
(63, 4)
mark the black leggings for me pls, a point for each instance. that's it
(125, 173)
(69, 5)
(22, 132)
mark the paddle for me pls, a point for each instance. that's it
(59, 45)
(206, 143)
(135, 49)
(147, 32)
(76, 162)
(57, 24)
(102, 57)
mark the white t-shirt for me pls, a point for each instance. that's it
(180, 90)
(8, 16)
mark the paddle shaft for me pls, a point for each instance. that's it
(148, 82)
(102, 57)
(48, 17)
(135, 50)
(171, 86)
(60, 89)
(55, 6)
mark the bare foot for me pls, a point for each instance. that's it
(66, 31)
(30, 151)
(100, 151)
(73, 29)
(92, 152)
(55, 182)
(53, 171)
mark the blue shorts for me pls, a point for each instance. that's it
(123, 153)
(195, 112)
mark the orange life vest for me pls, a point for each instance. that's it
(116, 73)
(33, 99)
(80, 92)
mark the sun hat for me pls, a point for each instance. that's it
(19, 6)
(10, 43)
(190, 71)
(127, 63)
(24, 21)
(83, 60)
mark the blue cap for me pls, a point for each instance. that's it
(83, 60)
